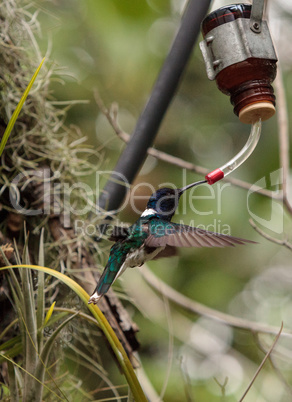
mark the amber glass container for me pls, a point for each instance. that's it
(224, 15)
(248, 82)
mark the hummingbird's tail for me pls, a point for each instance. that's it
(104, 283)
(106, 280)
(112, 270)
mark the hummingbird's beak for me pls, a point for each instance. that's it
(181, 190)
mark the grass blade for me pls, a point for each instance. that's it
(49, 313)
(12, 383)
(29, 316)
(115, 344)
(41, 293)
(16, 112)
(43, 358)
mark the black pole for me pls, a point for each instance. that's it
(149, 121)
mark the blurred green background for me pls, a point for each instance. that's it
(118, 48)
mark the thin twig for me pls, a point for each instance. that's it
(262, 363)
(200, 309)
(284, 243)
(283, 133)
(274, 366)
(111, 116)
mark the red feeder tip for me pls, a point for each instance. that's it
(214, 176)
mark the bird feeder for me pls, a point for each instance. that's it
(239, 54)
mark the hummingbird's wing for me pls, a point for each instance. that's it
(168, 251)
(176, 235)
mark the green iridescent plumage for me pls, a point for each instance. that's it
(118, 254)
(153, 235)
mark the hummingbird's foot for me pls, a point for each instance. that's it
(94, 298)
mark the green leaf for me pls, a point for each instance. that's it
(41, 293)
(12, 382)
(17, 366)
(10, 343)
(29, 320)
(18, 109)
(13, 352)
(43, 358)
(49, 313)
(115, 344)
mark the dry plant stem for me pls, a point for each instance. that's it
(145, 382)
(200, 309)
(262, 363)
(284, 243)
(111, 116)
(274, 366)
(283, 133)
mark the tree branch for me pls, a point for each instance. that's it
(198, 308)
(284, 243)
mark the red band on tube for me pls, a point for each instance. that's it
(214, 176)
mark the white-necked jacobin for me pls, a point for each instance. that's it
(154, 236)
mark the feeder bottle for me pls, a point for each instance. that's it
(242, 60)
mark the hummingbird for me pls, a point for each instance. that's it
(154, 236)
